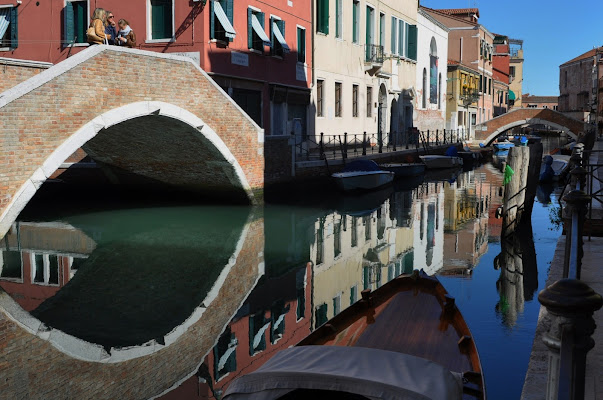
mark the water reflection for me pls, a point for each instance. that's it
(180, 302)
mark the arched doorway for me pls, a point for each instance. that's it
(381, 115)
(394, 122)
(433, 72)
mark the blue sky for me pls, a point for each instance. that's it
(553, 32)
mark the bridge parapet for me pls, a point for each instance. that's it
(488, 131)
(157, 115)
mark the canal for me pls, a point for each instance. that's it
(107, 298)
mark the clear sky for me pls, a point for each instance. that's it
(553, 31)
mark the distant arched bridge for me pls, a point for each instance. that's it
(488, 131)
(156, 115)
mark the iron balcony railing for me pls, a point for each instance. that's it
(374, 54)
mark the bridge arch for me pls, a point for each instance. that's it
(73, 105)
(535, 121)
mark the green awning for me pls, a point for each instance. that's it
(511, 95)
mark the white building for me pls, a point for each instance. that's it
(432, 57)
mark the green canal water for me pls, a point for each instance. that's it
(214, 291)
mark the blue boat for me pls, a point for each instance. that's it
(502, 146)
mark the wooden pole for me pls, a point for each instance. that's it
(515, 191)
(533, 179)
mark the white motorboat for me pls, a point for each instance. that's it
(435, 162)
(362, 180)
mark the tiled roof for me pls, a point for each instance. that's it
(460, 11)
(527, 98)
(588, 54)
(452, 62)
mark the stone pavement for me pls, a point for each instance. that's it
(536, 377)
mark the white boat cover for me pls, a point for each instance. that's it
(376, 374)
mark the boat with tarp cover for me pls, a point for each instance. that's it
(405, 340)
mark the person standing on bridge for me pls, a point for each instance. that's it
(126, 36)
(96, 31)
(111, 28)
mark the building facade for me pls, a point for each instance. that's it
(516, 73)
(500, 74)
(580, 88)
(432, 56)
(257, 51)
(462, 91)
(366, 64)
(550, 102)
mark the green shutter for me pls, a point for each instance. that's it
(68, 24)
(393, 46)
(337, 17)
(14, 28)
(325, 16)
(161, 19)
(229, 14)
(212, 17)
(354, 22)
(272, 49)
(249, 29)
(281, 25)
(80, 11)
(301, 45)
(369, 28)
(412, 42)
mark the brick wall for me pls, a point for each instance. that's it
(40, 120)
(12, 74)
(277, 152)
(33, 369)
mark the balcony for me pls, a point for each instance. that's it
(469, 96)
(373, 54)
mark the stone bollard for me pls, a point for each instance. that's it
(578, 176)
(577, 202)
(571, 304)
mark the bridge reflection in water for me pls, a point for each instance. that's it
(177, 302)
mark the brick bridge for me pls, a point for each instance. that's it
(488, 131)
(156, 115)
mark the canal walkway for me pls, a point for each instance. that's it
(536, 378)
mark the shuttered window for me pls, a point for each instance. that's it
(369, 108)
(354, 100)
(394, 45)
(256, 35)
(355, 21)
(301, 45)
(338, 99)
(412, 42)
(338, 18)
(320, 98)
(9, 29)
(75, 22)
(322, 16)
(221, 20)
(161, 19)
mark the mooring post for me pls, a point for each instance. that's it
(322, 146)
(535, 161)
(364, 144)
(515, 190)
(570, 304)
(577, 202)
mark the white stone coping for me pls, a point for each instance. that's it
(86, 351)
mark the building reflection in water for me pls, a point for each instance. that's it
(316, 264)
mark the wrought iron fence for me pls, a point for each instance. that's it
(343, 146)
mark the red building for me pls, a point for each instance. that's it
(500, 74)
(259, 52)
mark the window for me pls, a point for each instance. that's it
(440, 92)
(322, 16)
(555, 108)
(354, 100)
(320, 98)
(481, 78)
(221, 20)
(369, 101)
(338, 18)
(337, 99)
(433, 72)
(336, 305)
(424, 97)
(256, 36)
(394, 42)
(75, 22)
(370, 25)
(401, 38)
(161, 19)
(382, 29)
(490, 86)
(353, 294)
(8, 28)
(300, 286)
(10, 265)
(301, 45)
(320, 315)
(411, 42)
(279, 46)
(512, 71)
(356, 21)
(225, 355)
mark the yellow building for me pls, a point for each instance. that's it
(516, 73)
(462, 91)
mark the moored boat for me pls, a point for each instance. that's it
(552, 167)
(405, 340)
(502, 146)
(435, 161)
(404, 169)
(362, 175)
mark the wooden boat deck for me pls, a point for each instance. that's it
(412, 315)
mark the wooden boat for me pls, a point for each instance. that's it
(436, 162)
(362, 175)
(405, 340)
(405, 169)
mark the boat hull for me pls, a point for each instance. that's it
(441, 162)
(503, 146)
(362, 180)
(402, 170)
